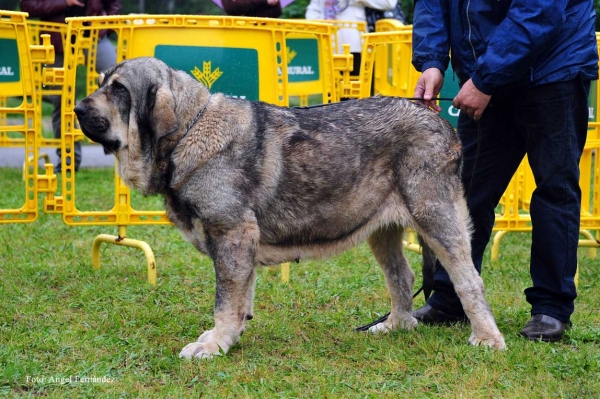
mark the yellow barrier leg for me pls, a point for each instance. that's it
(496, 243)
(127, 242)
(589, 242)
(411, 242)
(285, 272)
(30, 160)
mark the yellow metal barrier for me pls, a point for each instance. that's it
(20, 62)
(394, 74)
(35, 31)
(376, 46)
(243, 57)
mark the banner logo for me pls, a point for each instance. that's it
(207, 76)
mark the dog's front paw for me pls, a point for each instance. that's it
(201, 350)
(210, 343)
(495, 342)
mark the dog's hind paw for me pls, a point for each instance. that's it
(200, 350)
(380, 328)
(496, 342)
(408, 323)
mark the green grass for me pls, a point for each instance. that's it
(62, 322)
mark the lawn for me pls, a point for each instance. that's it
(68, 331)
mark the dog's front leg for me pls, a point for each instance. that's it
(233, 254)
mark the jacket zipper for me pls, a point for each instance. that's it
(470, 30)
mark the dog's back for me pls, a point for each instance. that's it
(337, 171)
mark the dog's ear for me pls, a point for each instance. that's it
(101, 79)
(162, 115)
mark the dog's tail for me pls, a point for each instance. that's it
(428, 268)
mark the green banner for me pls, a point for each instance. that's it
(9, 62)
(449, 90)
(303, 60)
(233, 71)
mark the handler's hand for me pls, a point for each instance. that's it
(471, 101)
(272, 2)
(429, 86)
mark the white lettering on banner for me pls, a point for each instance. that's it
(453, 111)
(300, 70)
(6, 71)
(591, 114)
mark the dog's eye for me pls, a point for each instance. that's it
(118, 87)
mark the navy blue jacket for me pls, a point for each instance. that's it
(507, 42)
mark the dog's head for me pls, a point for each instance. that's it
(134, 106)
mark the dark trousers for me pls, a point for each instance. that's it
(549, 124)
(56, 120)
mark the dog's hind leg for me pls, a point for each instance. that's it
(443, 224)
(386, 244)
(233, 254)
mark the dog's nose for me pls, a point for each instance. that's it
(80, 110)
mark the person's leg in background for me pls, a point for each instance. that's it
(57, 122)
(106, 56)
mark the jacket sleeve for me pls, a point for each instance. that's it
(431, 35)
(41, 8)
(513, 47)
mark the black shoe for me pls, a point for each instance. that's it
(544, 328)
(430, 315)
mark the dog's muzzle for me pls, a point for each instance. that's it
(95, 127)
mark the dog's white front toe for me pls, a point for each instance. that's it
(200, 350)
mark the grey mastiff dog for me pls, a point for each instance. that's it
(249, 183)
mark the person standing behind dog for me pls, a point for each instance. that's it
(57, 11)
(524, 68)
(253, 8)
(347, 10)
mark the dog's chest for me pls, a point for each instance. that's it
(187, 223)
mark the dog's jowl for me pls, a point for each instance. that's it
(251, 184)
